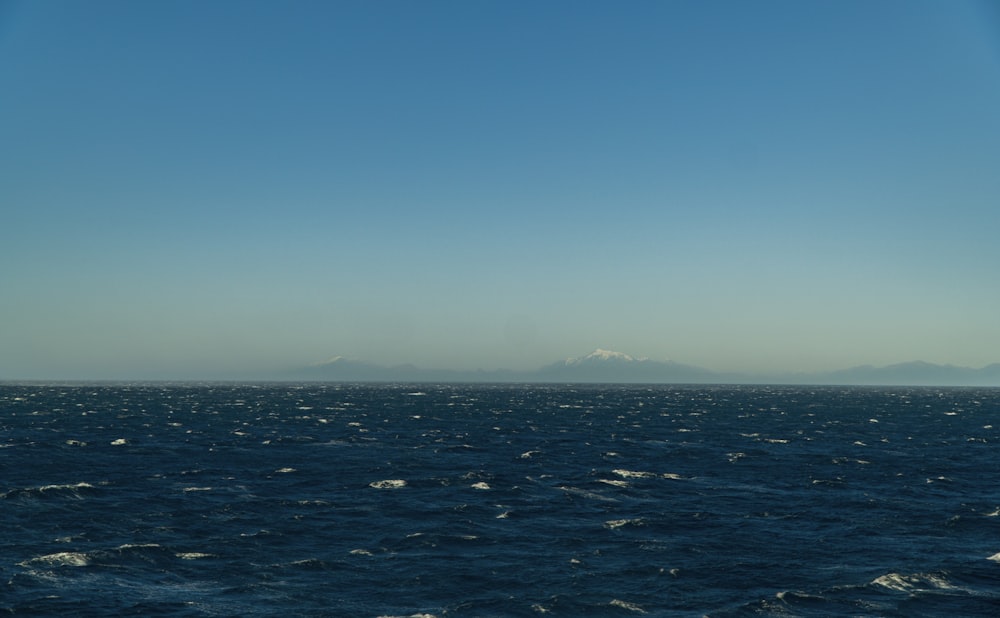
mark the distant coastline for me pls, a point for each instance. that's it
(598, 367)
(605, 366)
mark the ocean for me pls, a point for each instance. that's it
(498, 500)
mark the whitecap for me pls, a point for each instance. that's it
(70, 486)
(632, 607)
(481, 485)
(119, 442)
(618, 523)
(786, 595)
(305, 562)
(529, 454)
(843, 460)
(284, 470)
(632, 474)
(913, 583)
(193, 555)
(586, 494)
(995, 557)
(72, 490)
(893, 581)
(360, 552)
(614, 482)
(388, 484)
(138, 546)
(672, 476)
(189, 489)
(63, 558)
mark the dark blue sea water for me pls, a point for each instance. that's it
(470, 500)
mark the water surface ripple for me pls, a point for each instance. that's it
(498, 500)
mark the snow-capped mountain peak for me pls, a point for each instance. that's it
(601, 355)
(330, 361)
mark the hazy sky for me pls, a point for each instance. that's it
(209, 188)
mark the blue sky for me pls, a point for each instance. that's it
(210, 189)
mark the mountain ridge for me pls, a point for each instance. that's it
(608, 366)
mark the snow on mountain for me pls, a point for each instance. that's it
(330, 361)
(601, 355)
(609, 366)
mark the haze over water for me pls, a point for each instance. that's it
(210, 190)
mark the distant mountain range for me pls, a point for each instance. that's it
(605, 366)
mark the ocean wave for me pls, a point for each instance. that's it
(632, 607)
(613, 482)
(632, 474)
(508, 507)
(193, 555)
(388, 484)
(918, 582)
(72, 490)
(63, 558)
(618, 523)
(583, 493)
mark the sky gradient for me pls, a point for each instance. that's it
(196, 189)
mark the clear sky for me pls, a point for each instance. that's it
(213, 188)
